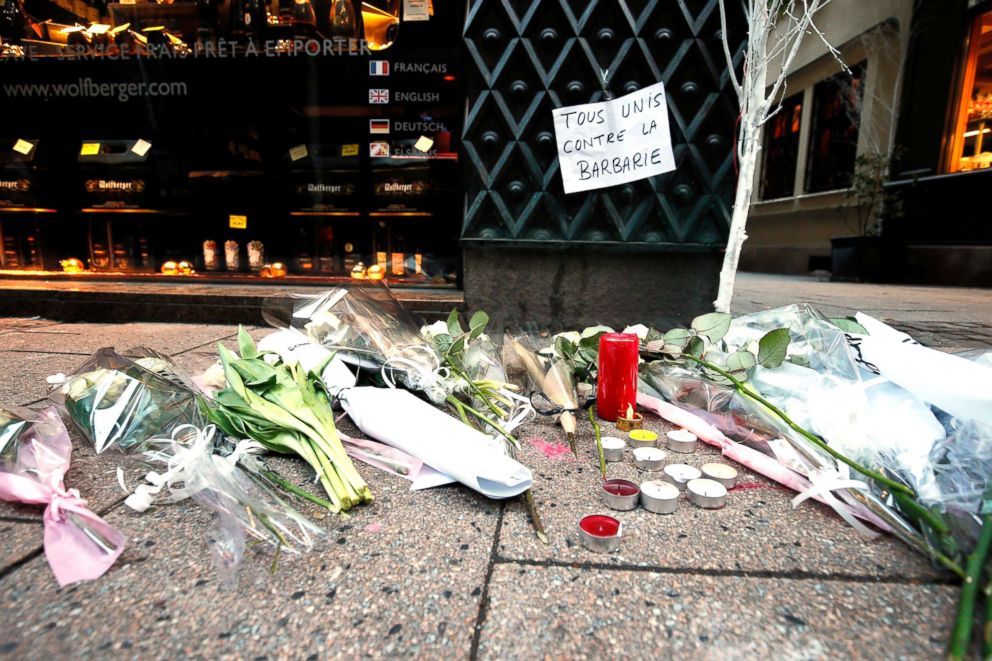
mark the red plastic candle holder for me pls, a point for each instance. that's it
(617, 381)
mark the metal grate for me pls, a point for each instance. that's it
(523, 58)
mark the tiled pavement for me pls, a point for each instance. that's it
(447, 574)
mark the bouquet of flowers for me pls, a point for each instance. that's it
(144, 409)
(34, 457)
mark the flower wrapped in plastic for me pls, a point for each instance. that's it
(34, 457)
(369, 329)
(123, 403)
(551, 377)
(144, 408)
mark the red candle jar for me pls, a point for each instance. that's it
(617, 387)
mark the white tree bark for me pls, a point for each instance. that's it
(790, 20)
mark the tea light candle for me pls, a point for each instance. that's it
(600, 533)
(620, 494)
(680, 440)
(630, 420)
(659, 496)
(648, 459)
(612, 448)
(642, 438)
(680, 474)
(708, 494)
(722, 473)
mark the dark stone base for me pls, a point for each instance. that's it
(574, 288)
(122, 302)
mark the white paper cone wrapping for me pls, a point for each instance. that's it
(954, 384)
(400, 419)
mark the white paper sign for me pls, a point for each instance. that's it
(416, 10)
(613, 142)
(141, 147)
(23, 147)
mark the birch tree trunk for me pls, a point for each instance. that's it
(738, 224)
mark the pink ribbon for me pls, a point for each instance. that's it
(79, 545)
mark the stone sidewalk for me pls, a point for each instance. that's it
(445, 573)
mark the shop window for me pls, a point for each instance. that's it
(781, 147)
(833, 141)
(971, 137)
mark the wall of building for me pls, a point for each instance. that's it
(792, 234)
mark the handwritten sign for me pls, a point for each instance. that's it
(614, 142)
(237, 222)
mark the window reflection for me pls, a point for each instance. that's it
(782, 150)
(836, 121)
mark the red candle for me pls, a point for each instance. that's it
(617, 388)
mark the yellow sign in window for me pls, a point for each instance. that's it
(238, 222)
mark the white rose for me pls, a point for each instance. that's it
(640, 330)
(435, 329)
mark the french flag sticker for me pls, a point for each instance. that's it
(378, 68)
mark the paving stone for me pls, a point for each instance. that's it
(87, 338)
(567, 613)
(758, 530)
(20, 540)
(402, 577)
(24, 374)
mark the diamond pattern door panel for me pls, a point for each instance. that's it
(525, 57)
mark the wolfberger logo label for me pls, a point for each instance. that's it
(17, 185)
(401, 188)
(420, 67)
(108, 185)
(333, 189)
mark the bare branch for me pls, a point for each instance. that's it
(726, 50)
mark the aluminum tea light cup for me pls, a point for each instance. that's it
(649, 459)
(642, 438)
(722, 473)
(707, 494)
(600, 533)
(620, 494)
(631, 422)
(613, 448)
(659, 496)
(680, 440)
(680, 474)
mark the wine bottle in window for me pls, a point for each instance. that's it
(326, 253)
(381, 246)
(207, 18)
(397, 265)
(304, 19)
(345, 21)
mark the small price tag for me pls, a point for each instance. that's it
(238, 222)
(424, 144)
(349, 150)
(141, 147)
(416, 10)
(23, 147)
(298, 152)
(90, 149)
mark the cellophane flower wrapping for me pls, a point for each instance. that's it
(145, 408)
(35, 450)
(369, 328)
(545, 372)
(828, 387)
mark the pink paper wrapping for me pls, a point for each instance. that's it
(79, 545)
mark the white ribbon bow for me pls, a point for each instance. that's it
(824, 482)
(189, 446)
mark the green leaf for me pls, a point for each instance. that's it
(443, 343)
(741, 361)
(695, 347)
(477, 324)
(246, 345)
(713, 325)
(773, 348)
(678, 337)
(454, 326)
(849, 325)
(458, 345)
(564, 348)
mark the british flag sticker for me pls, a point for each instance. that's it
(378, 68)
(379, 149)
(378, 96)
